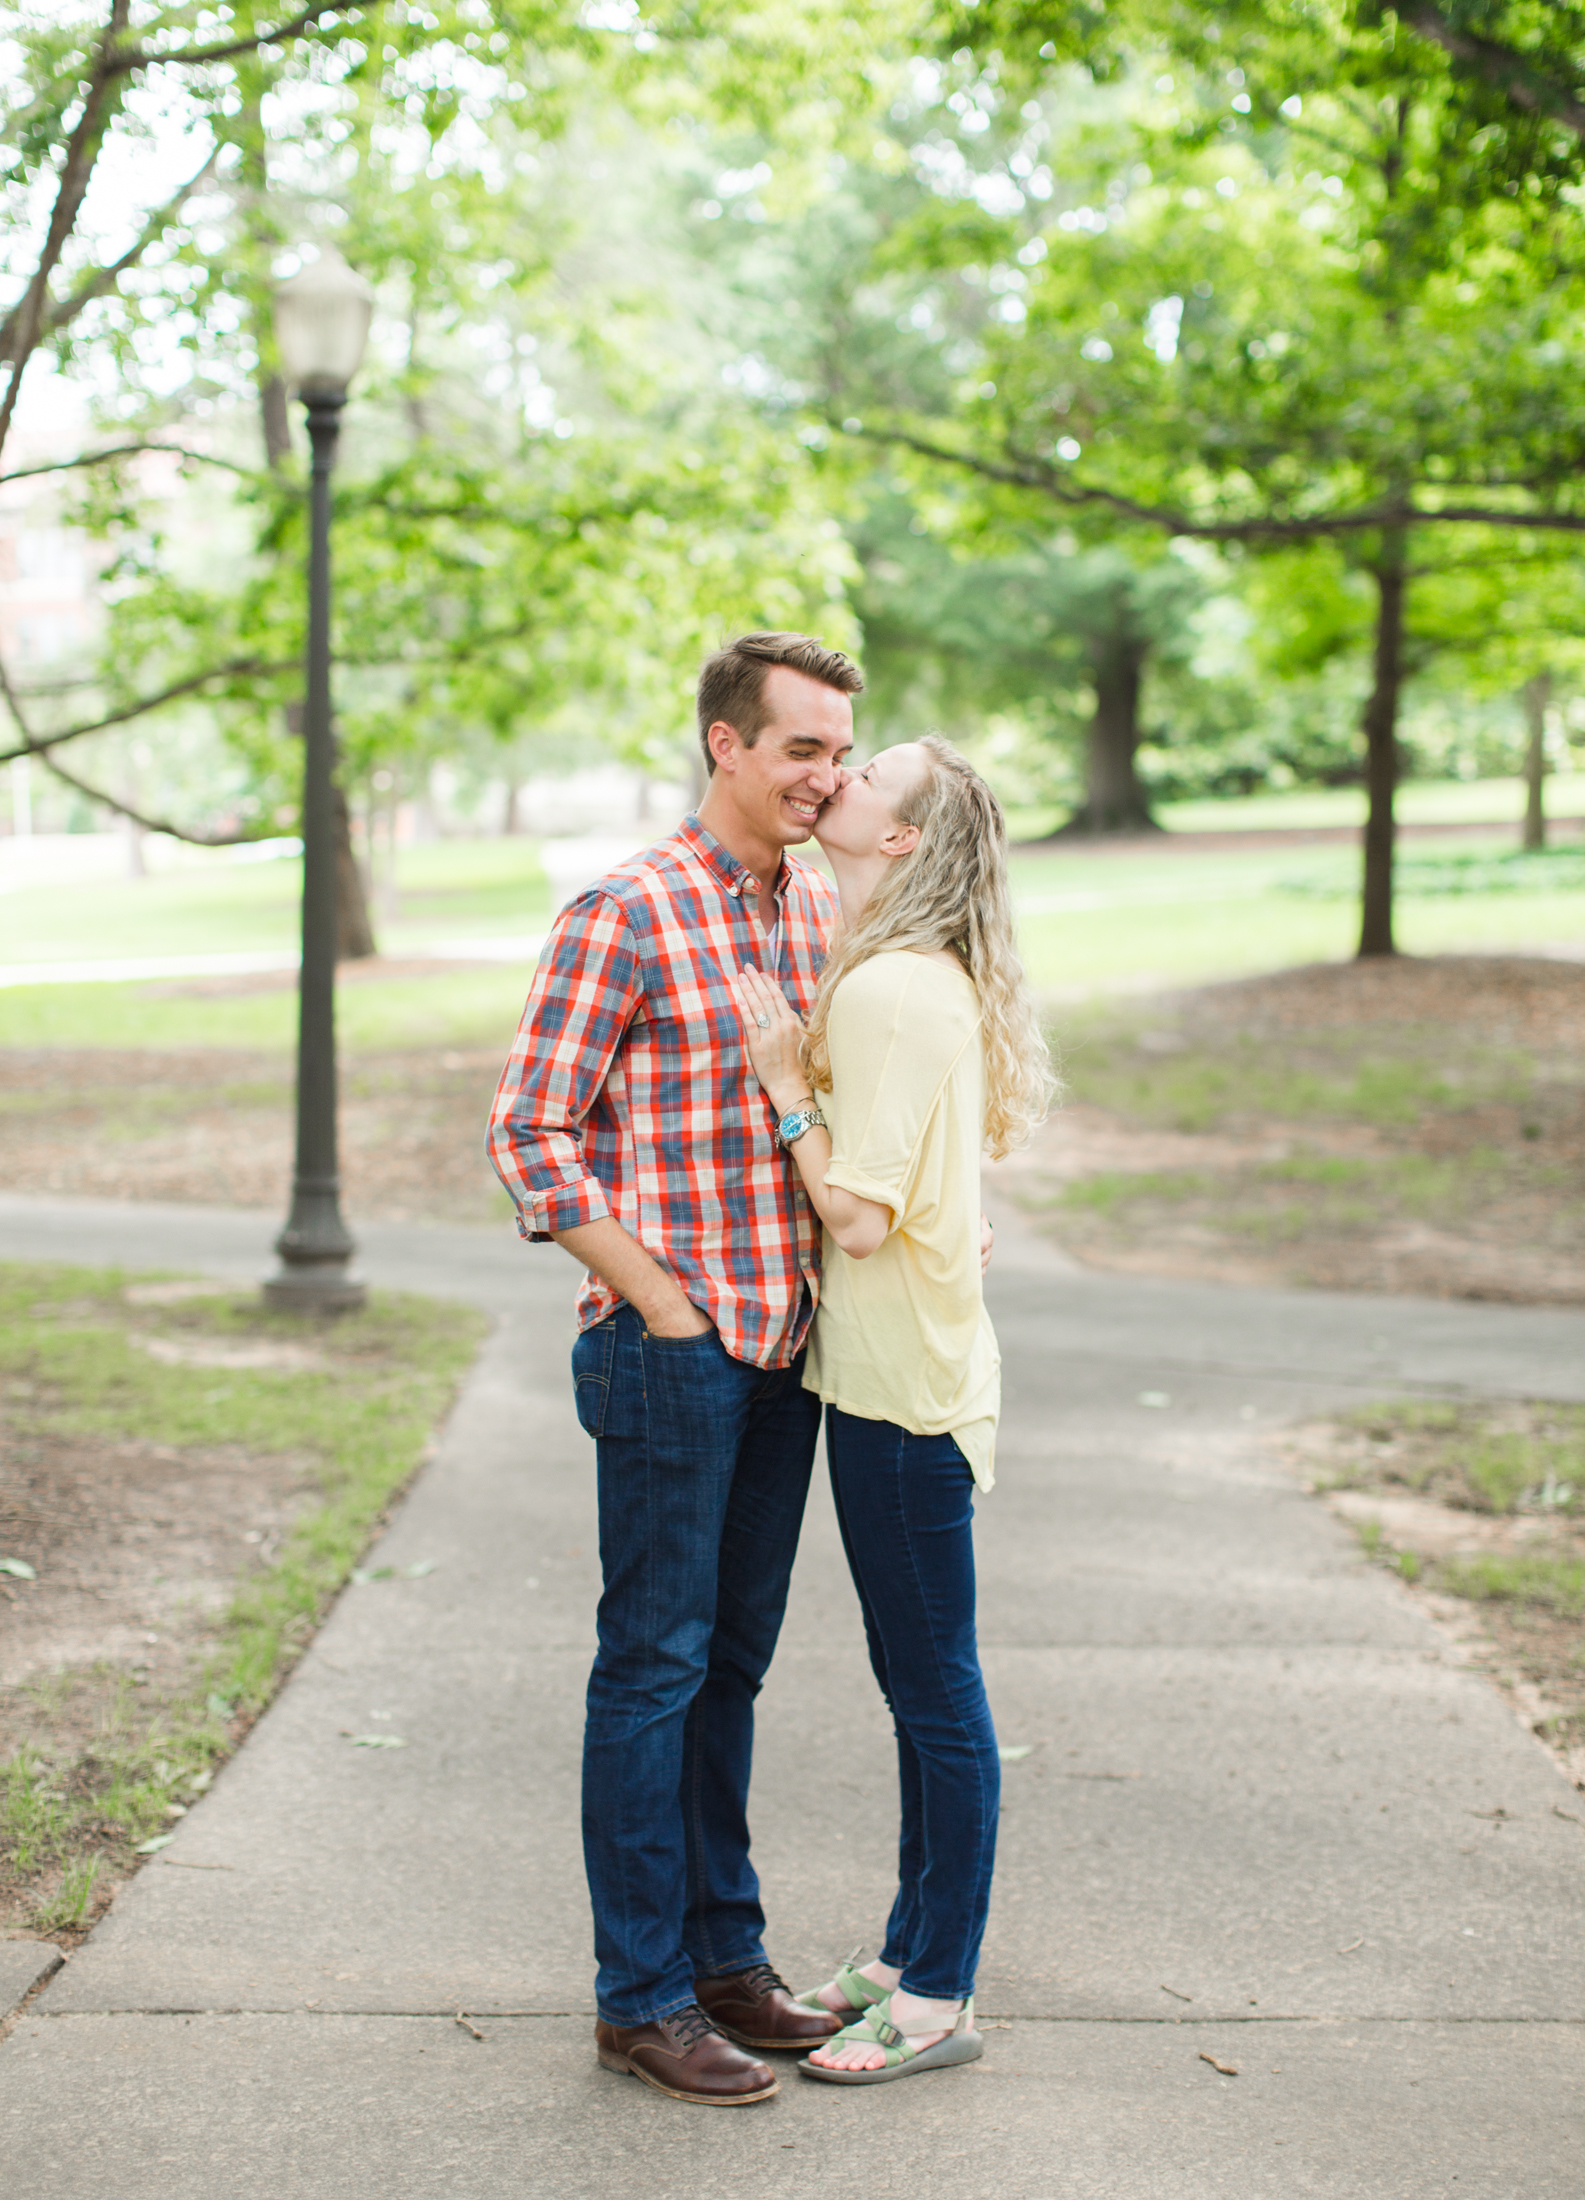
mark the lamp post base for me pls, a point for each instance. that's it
(315, 1251)
(317, 1288)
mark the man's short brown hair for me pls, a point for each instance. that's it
(732, 684)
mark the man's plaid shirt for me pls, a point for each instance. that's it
(629, 1090)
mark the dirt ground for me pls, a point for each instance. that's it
(1410, 1126)
(216, 1129)
(1501, 1569)
(185, 1478)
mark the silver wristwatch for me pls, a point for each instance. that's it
(798, 1120)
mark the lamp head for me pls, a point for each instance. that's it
(322, 321)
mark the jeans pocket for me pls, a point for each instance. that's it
(688, 1389)
(591, 1375)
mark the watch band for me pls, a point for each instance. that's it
(798, 1120)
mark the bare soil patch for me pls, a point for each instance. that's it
(216, 1128)
(1406, 1126)
(1480, 1511)
(186, 1479)
(136, 1547)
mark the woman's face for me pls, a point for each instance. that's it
(861, 819)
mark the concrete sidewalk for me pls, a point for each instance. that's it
(1255, 1820)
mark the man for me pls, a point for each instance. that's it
(630, 1127)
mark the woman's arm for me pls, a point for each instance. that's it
(858, 1225)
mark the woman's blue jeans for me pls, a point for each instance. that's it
(704, 1467)
(905, 1507)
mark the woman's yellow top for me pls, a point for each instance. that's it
(904, 1336)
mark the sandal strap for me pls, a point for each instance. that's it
(875, 2029)
(860, 1992)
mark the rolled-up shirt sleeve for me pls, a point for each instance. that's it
(585, 994)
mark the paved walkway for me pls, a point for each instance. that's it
(1255, 1820)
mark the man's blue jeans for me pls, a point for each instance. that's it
(704, 1467)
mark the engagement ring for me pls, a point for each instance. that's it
(763, 1022)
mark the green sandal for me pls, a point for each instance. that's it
(861, 1993)
(875, 2029)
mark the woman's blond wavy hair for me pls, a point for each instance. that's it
(951, 893)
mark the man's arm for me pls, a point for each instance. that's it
(619, 1260)
(584, 995)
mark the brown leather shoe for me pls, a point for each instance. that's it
(685, 2056)
(754, 2008)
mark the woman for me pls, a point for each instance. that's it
(921, 1050)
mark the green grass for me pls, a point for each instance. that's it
(1449, 870)
(474, 1008)
(1240, 1074)
(1420, 802)
(1107, 1191)
(1091, 921)
(1475, 1454)
(364, 1424)
(1539, 1579)
(461, 886)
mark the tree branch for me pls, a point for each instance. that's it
(26, 324)
(135, 57)
(106, 278)
(158, 824)
(34, 745)
(1035, 474)
(1514, 73)
(39, 744)
(129, 450)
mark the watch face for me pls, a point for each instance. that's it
(790, 1123)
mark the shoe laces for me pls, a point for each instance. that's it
(689, 2026)
(760, 1980)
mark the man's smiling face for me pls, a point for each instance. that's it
(780, 785)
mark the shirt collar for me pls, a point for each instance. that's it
(736, 877)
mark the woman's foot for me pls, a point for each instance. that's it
(831, 1996)
(921, 2022)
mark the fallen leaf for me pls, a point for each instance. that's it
(19, 1567)
(419, 1568)
(377, 1741)
(1228, 2070)
(364, 1574)
(1173, 1991)
(1572, 1816)
(1012, 1755)
(149, 1848)
(221, 1707)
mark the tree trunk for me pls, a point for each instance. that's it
(1114, 801)
(1381, 750)
(512, 820)
(1535, 695)
(354, 933)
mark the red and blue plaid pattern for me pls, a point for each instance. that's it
(629, 1093)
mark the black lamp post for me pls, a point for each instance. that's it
(322, 324)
